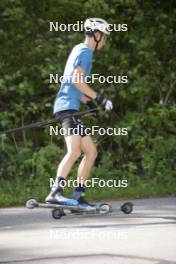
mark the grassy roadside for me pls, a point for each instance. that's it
(27, 175)
(18, 192)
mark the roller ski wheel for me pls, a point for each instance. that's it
(57, 213)
(105, 208)
(32, 203)
(127, 208)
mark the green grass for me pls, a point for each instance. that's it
(18, 192)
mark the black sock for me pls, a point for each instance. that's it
(58, 186)
(81, 188)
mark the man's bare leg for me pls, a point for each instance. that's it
(73, 143)
(90, 153)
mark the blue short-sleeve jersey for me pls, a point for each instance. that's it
(68, 96)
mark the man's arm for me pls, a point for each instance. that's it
(81, 85)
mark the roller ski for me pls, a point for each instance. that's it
(59, 210)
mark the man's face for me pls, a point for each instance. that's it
(101, 44)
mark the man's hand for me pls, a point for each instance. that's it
(92, 106)
(108, 106)
(104, 102)
(86, 90)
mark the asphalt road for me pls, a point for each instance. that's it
(146, 236)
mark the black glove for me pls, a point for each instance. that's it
(104, 102)
(92, 106)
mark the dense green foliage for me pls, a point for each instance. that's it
(29, 52)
